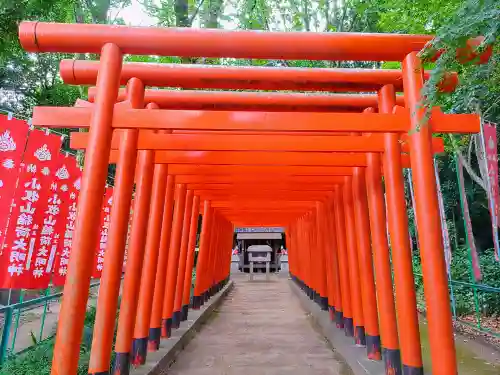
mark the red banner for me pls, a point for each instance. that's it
(103, 233)
(490, 148)
(69, 191)
(13, 136)
(476, 269)
(24, 264)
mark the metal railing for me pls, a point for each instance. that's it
(466, 299)
(12, 314)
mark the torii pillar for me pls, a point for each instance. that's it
(429, 230)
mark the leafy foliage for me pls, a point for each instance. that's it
(26, 79)
(480, 84)
(489, 302)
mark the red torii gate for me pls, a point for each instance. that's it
(79, 72)
(112, 42)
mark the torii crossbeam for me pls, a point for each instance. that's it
(346, 216)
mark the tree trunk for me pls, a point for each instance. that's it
(214, 11)
(181, 13)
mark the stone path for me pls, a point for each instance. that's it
(259, 329)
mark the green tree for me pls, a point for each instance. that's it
(27, 79)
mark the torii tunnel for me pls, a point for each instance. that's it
(317, 164)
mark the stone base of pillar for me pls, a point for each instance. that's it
(184, 311)
(122, 364)
(154, 339)
(348, 327)
(331, 310)
(323, 303)
(410, 370)
(392, 361)
(139, 351)
(166, 328)
(359, 335)
(373, 347)
(176, 319)
(339, 319)
(196, 304)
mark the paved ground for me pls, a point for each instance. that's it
(259, 329)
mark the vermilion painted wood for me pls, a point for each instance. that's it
(257, 132)
(281, 216)
(248, 222)
(79, 117)
(241, 223)
(441, 337)
(261, 212)
(207, 271)
(278, 194)
(76, 290)
(87, 38)
(246, 203)
(268, 142)
(160, 280)
(83, 38)
(148, 274)
(250, 180)
(204, 142)
(203, 254)
(265, 172)
(285, 185)
(272, 194)
(282, 220)
(255, 101)
(57, 117)
(260, 209)
(261, 158)
(173, 258)
(401, 256)
(381, 256)
(188, 275)
(365, 264)
(404, 136)
(256, 212)
(222, 173)
(258, 216)
(81, 72)
(135, 259)
(107, 302)
(179, 288)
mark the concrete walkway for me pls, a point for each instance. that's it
(259, 329)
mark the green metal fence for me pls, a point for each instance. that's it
(466, 299)
(15, 318)
(473, 303)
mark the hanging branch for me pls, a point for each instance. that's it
(469, 151)
(195, 13)
(467, 164)
(480, 158)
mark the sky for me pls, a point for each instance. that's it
(134, 15)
